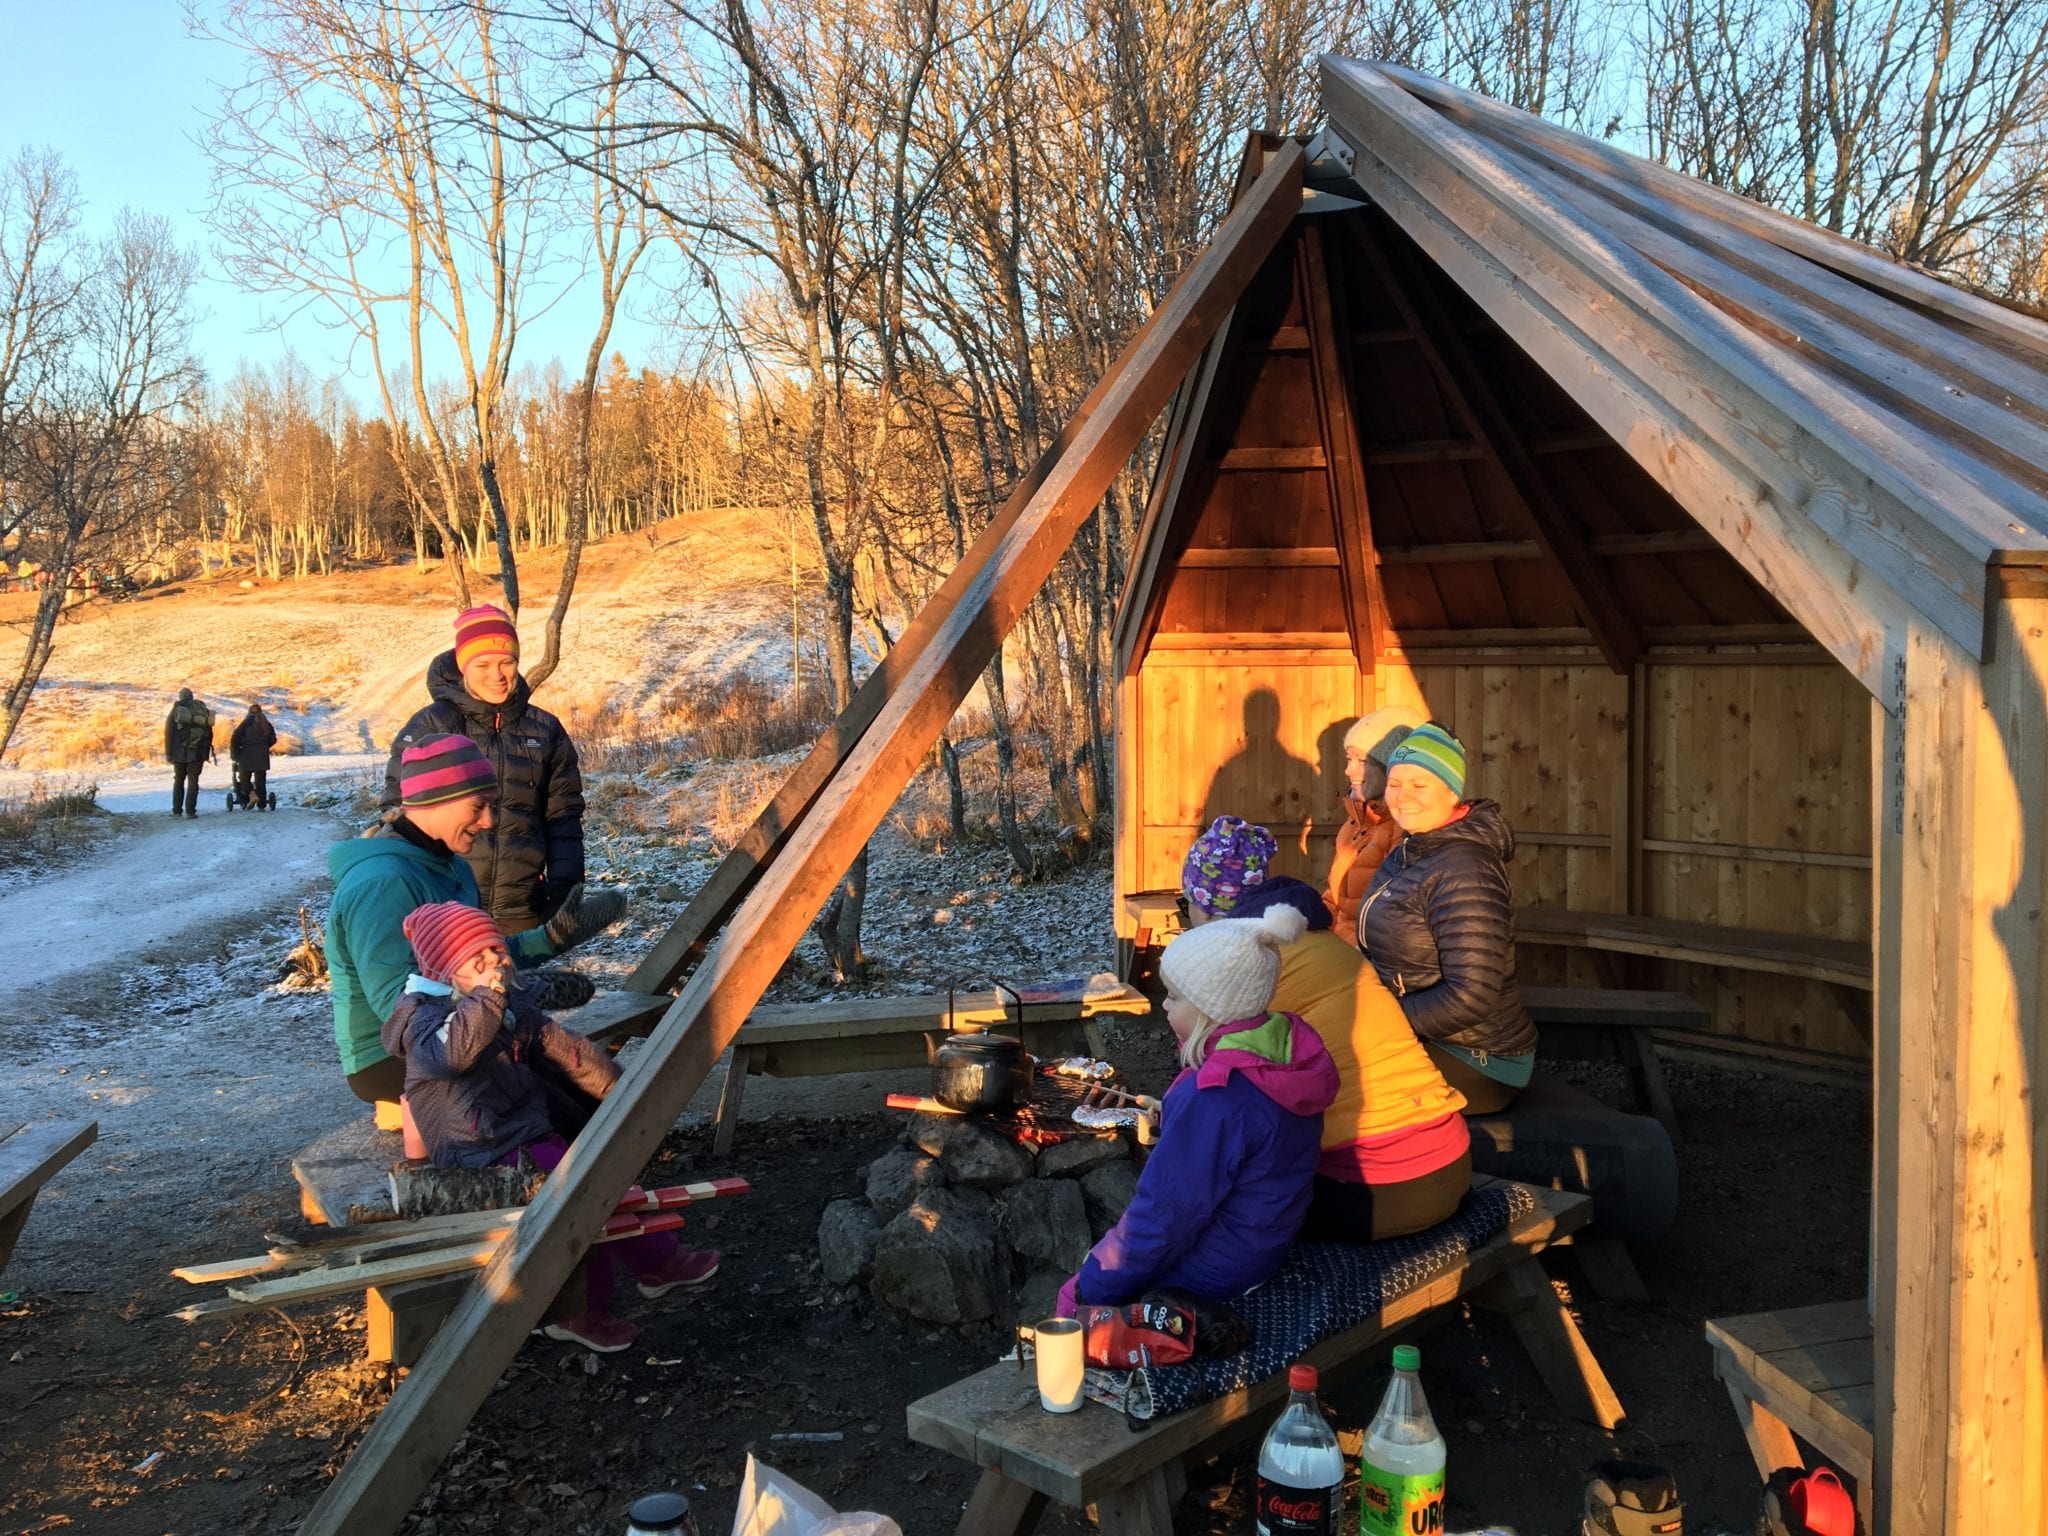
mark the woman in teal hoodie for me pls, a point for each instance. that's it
(412, 859)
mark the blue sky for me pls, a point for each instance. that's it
(120, 89)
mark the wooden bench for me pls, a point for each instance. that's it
(1131, 1474)
(29, 1156)
(1593, 1023)
(1806, 1374)
(876, 1034)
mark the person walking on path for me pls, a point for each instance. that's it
(416, 855)
(188, 743)
(1438, 924)
(249, 758)
(1369, 831)
(531, 856)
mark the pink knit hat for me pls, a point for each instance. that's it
(445, 934)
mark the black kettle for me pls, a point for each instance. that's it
(976, 1071)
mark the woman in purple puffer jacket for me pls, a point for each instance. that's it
(1224, 1193)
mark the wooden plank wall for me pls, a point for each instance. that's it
(1753, 787)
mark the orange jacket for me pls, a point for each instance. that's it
(1385, 1079)
(1366, 838)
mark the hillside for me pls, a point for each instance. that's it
(340, 661)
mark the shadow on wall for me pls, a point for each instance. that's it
(1264, 782)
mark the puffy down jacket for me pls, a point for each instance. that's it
(1438, 924)
(533, 853)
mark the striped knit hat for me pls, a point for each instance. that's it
(484, 631)
(444, 768)
(445, 934)
(1436, 750)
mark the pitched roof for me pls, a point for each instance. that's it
(1863, 438)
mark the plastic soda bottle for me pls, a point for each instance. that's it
(1401, 1468)
(1301, 1471)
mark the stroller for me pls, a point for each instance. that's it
(243, 796)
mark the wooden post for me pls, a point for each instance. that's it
(1961, 1047)
(399, 1454)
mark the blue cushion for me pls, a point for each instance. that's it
(1322, 1289)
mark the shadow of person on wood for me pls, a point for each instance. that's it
(1265, 783)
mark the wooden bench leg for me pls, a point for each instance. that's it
(1556, 1347)
(1639, 1054)
(1141, 1508)
(1000, 1507)
(403, 1318)
(729, 1098)
(10, 1228)
(1609, 1269)
(1771, 1445)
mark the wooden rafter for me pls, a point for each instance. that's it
(394, 1461)
(1329, 359)
(1464, 385)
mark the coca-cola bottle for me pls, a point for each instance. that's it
(1301, 1471)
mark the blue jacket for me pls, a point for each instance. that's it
(1225, 1190)
(468, 1078)
(378, 880)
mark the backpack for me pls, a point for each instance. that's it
(193, 722)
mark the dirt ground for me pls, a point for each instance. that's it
(205, 1081)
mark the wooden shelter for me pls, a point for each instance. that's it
(1720, 541)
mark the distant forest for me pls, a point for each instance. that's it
(898, 240)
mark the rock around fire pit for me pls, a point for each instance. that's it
(966, 1223)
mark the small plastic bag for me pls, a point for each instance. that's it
(774, 1504)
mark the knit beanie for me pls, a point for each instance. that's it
(1232, 855)
(444, 768)
(485, 630)
(1229, 969)
(1435, 749)
(1377, 734)
(445, 934)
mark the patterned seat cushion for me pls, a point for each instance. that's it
(1322, 1289)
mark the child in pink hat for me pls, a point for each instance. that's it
(468, 1031)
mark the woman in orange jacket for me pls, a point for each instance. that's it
(1368, 832)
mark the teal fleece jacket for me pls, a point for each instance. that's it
(378, 881)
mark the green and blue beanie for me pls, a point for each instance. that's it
(1436, 750)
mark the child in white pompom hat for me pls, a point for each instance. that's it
(1224, 1193)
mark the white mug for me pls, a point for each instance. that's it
(1060, 1363)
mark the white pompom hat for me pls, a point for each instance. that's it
(1228, 968)
(1377, 734)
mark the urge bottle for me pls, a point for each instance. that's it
(1401, 1469)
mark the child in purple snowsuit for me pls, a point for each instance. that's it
(1224, 1193)
(467, 1029)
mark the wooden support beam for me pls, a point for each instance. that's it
(1465, 386)
(1960, 1054)
(1309, 457)
(1307, 557)
(1329, 363)
(401, 1450)
(1451, 450)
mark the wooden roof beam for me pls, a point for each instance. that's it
(376, 1488)
(1465, 385)
(1322, 306)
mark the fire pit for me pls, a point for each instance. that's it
(981, 1217)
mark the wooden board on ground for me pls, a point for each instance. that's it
(29, 1156)
(1093, 1457)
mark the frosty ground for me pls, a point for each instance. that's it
(139, 988)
